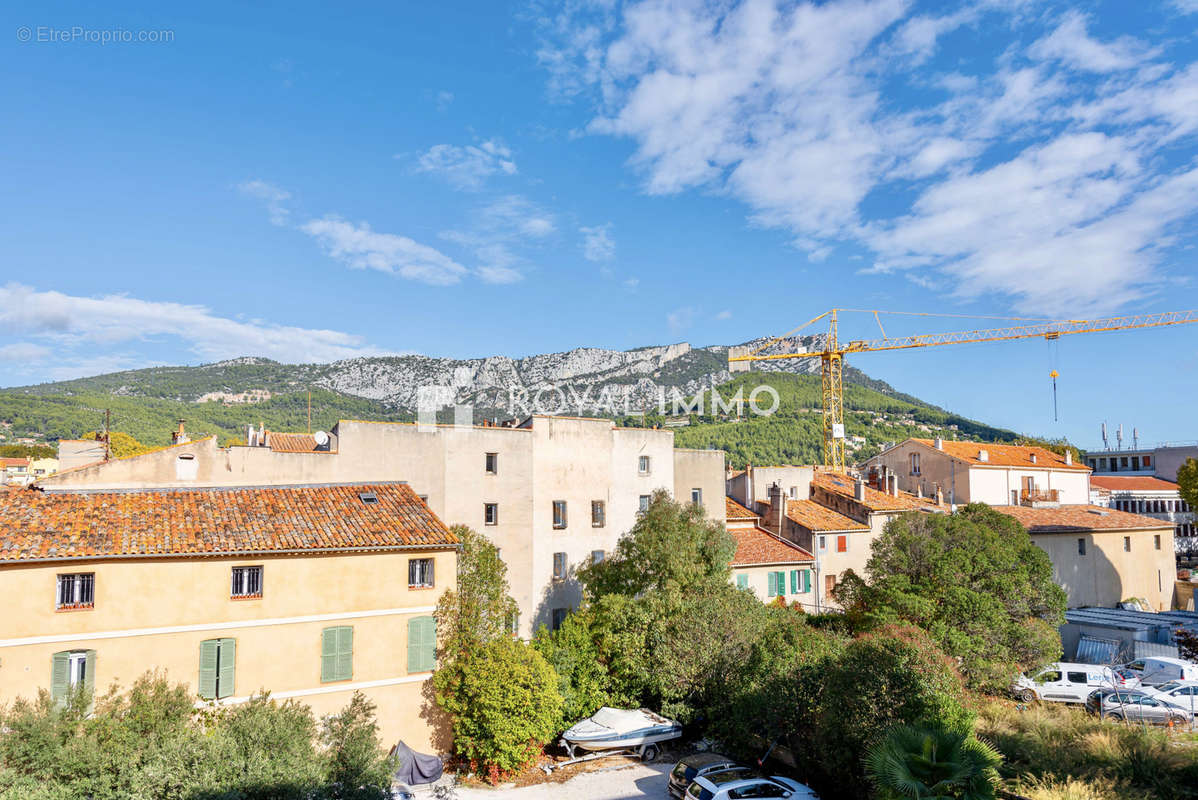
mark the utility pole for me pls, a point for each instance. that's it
(107, 437)
(309, 409)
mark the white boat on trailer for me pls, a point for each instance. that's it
(618, 730)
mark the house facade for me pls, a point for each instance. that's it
(1149, 496)
(973, 472)
(552, 493)
(767, 565)
(311, 593)
(1101, 556)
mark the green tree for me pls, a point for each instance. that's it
(583, 678)
(973, 580)
(478, 609)
(357, 769)
(504, 705)
(1187, 482)
(672, 547)
(932, 764)
(122, 445)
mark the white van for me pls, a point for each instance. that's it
(1064, 682)
(1155, 670)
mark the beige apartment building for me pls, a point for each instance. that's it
(767, 565)
(310, 592)
(978, 472)
(552, 493)
(1101, 556)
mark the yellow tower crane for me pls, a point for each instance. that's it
(832, 354)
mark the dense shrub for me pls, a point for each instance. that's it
(583, 678)
(150, 742)
(504, 704)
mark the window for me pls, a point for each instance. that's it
(337, 653)
(1127, 544)
(422, 644)
(796, 581)
(1014, 497)
(559, 566)
(490, 513)
(742, 581)
(842, 544)
(642, 465)
(76, 591)
(423, 498)
(420, 573)
(643, 504)
(598, 514)
(247, 582)
(775, 584)
(1076, 677)
(696, 497)
(1081, 547)
(559, 616)
(1147, 462)
(71, 670)
(491, 463)
(511, 625)
(915, 463)
(1156, 542)
(597, 556)
(218, 661)
(1135, 462)
(823, 543)
(829, 583)
(794, 492)
(369, 498)
(559, 514)
(186, 467)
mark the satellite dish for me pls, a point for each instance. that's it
(322, 438)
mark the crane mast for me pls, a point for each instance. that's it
(832, 354)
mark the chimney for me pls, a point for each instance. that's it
(939, 496)
(1033, 458)
(939, 443)
(777, 509)
(750, 500)
(179, 436)
(892, 489)
(983, 455)
(1068, 458)
(919, 491)
(250, 435)
(859, 490)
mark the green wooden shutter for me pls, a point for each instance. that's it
(345, 653)
(742, 581)
(328, 655)
(806, 580)
(60, 677)
(794, 581)
(209, 666)
(771, 584)
(226, 667)
(89, 678)
(422, 644)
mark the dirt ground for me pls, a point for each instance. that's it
(619, 779)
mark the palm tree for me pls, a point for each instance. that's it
(932, 764)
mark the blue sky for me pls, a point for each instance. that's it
(468, 179)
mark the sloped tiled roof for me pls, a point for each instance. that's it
(757, 546)
(841, 484)
(734, 510)
(1132, 483)
(14, 462)
(1005, 455)
(174, 522)
(1064, 519)
(814, 517)
(292, 442)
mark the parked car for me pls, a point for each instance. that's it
(735, 783)
(1155, 670)
(696, 765)
(1142, 707)
(1095, 699)
(621, 729)
(1183, 694)
(1064, 682)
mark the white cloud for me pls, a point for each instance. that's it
(725, 314)
(23, 351)
(631, 283)
(467, 167)
(680, 319)
(1035, 169)
(444, 100)
(1186, 6)
(362, 248)
(68, 322)
(597, 244)
(1071, 44)
(500, 234)
(272, 197)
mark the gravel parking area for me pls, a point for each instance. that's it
(615, 783)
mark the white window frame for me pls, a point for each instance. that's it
(426, 573)
(77, 583)
(240, 581)
(643, 503)
(644, 465)
(487, 508)
(491, 464)
(697, 496)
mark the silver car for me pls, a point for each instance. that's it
(1183, 694)
(1141, 707)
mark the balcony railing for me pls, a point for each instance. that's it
(1032, 496)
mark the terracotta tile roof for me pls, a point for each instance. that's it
(14, 462)
(757, 546)
(734, 510)
(60, 525)
(1063, 519)
(814, 517)
(1004, 455)
(841, 484)
(292, 442)
(1132, 483)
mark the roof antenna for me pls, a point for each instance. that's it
(1106, 442)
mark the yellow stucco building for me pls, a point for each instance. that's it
(310, 592)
